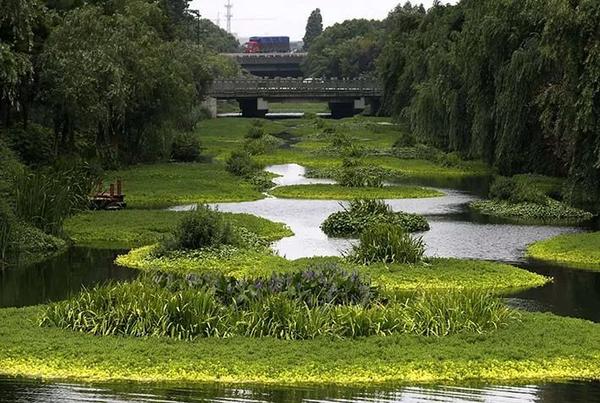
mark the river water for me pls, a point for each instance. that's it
(454, 233)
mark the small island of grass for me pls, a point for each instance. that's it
(337, 192)
(580, 251)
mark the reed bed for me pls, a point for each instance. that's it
(145, 309)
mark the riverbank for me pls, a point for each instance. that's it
(579, 251)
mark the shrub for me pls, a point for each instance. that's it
(405, 140)
(34, 144)
(339, 141)
(240, 163)
(508, 189)
(203, 228)
(360, 214)
(262, 145)
(425, 152)
(387, 243)
(353, 151)
(261, 181)
(255, 132)
(361, 176)
(185, 147)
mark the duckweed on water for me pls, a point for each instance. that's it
(435, 274)
(539, 347)
(574, 250)
(337, 192)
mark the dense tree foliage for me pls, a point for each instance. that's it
(314, 28)
(107, 79)
(346, 50)
(514, 82)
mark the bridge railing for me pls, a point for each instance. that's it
(295, 87)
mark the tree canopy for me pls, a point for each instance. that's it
(513, 82)
(314, 28)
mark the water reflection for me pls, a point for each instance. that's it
(36, 392)
(57, 278)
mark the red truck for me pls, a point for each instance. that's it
(267, 44)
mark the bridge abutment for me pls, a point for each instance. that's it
(254, 107)
(347, 108)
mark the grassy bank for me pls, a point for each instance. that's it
(134, 228)
(165, 185)
(312, 146)
(541, 347)
(552, 213)
(439, 274)
(573, 250)
(336, 192)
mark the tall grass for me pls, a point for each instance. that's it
(6, 229)
(143, 309)
(47, 199)
(387, 243)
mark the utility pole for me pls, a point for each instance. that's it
(229, 15)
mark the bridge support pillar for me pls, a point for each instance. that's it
(254, 107)
(210, 104)
(346, 108)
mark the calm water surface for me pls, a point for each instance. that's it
(29, 391)
(454, 233)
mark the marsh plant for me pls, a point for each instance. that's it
(317, 285)
(387, 243)
(240, 163)
(362, 213)
(147, 309)
(186, 147)
(47, 199)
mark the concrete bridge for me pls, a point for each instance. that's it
(345, 97)
(270, 65)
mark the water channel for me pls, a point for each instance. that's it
(454, 233)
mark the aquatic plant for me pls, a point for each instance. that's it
(552, 212)
(361, 213)
(322, 283)
(47, 199)
(145, 309)
(387, 243)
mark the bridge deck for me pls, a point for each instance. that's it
(294, 88)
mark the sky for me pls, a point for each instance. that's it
(288, 18)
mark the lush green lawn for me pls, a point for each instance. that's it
(166, 185)
(134, 228)
(336, 192)
(539, 348)
(439, 274)
(574, 250)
